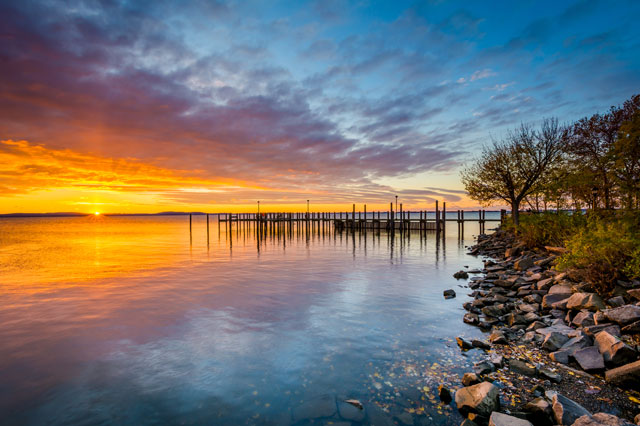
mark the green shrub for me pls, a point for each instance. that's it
(548, 229)
(605, 250)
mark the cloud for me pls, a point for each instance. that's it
(480, 74)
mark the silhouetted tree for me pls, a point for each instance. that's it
(510, 169)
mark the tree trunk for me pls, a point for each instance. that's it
(515, 212)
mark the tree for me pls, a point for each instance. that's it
(591, 144)
(509, 170)
(626, 157)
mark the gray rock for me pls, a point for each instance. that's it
(592, 330)
(544, 284)
(480, 344)
(523, 264)
(614, 351)
(554, 341)
(561, 357)
(616, 301)
(499, 419)
(464, 343)
(576, 343)
(445, 394)
(470, 318)
(522, 367)
(483, 367)
(324, 406)
(549, 300)
(565, 411)
(601, 419)
(624, 314)
(449, 294)
(589, 359)
(589, 301)
(482, 399)
(583, 319)
(550, 375)
(350, 412)
(626, 376)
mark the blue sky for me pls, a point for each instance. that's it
(344, 100)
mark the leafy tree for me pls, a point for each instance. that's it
(509, 170)
(626, 157)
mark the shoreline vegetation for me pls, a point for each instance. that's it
(560, 291)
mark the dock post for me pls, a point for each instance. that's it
(437, 219)
(189, 224)
(207, 228)
(444, 217)
(390, 224)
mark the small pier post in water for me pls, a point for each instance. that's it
(444, 218)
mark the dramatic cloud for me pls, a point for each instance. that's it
(216, 102)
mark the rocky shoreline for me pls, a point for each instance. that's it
(557, 352)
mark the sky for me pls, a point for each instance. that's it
(148, 106)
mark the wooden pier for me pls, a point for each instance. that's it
(389, 220)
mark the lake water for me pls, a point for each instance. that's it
(129, 320)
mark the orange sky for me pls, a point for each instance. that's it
(37, 179)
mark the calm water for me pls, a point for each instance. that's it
(127, 320)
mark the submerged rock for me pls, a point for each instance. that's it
(461, 275)
(449, 294)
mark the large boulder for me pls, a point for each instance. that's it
(565, 411)
(624, 314)
(576, 343)
(499, 419)
(481, 399)
(601, 419)
(626, 376)
(539, 412)
(614, 351)
(590, 301)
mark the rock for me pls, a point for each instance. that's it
(636, 419)
(601, 419)
(464, 343)
(550, 375)
(469, 379)
(633, 328)
(496, 360)
(589, 359)
(483, 367)
(467, 422)
(449, 294)
(480, 344)
(626, 376)
(405, 419)
(583, 319)
(324, 406)
(614, 351)
(470, 318)
(560, 289)
(351, 410)
(513, 251)
(592, 330)
(635, 293)
(589, 301)
(624, 314)
(549, 300)
(444, 394)
(499, 419)
(554, 341)
(544, 284)
(523, 264)
(616, 301)
(461, 275)
(561, 357)
(482, 399)
(522, 367)
(565, 411)
(540, 412)
(498, 338)
(576, 343)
